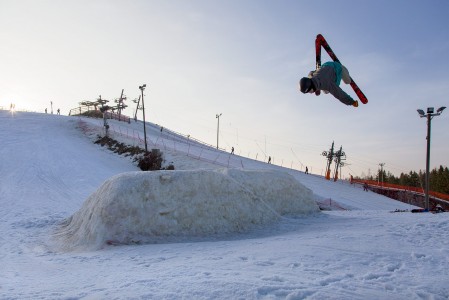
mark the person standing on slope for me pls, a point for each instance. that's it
(328, 78)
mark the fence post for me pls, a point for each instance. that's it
(188, 150)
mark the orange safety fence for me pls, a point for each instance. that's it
(401, 187)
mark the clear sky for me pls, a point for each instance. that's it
(243, 59)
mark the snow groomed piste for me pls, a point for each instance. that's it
(364, 252)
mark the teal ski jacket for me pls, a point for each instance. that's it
(337, 68)
(328, 78)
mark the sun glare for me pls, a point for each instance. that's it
(12, 104)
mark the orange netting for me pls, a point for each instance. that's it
(401, 187)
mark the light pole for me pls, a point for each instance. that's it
(429, 115)
(381, 173)
(218, 126)
(142, 88)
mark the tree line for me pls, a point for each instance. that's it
(438, 181)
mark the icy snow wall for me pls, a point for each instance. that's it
(157, 206)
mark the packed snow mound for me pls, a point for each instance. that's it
(147, 207)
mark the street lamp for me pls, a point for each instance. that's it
(429, 115)
(218, 126)
(142, 88)
(381, 173)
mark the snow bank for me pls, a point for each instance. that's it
(147, 206)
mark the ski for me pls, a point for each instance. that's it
(321, 42)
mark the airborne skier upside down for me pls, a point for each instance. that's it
(328, 77)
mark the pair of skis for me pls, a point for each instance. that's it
(321, 42)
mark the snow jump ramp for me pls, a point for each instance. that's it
(146, 207)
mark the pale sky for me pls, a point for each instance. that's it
(243, 58)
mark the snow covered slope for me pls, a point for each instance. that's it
(49, 169)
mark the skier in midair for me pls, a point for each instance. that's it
(327, 79)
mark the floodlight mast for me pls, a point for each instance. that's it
(429, 115)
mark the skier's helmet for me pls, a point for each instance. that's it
(305, 85)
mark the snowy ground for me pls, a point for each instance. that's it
(49, 168)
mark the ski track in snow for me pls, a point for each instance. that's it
(49, 168)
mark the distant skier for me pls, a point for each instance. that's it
(439, 208)
(365, 187)
(327, 79)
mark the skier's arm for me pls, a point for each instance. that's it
(338, 93)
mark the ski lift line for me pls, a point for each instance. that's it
(353, 173)
(261, 149)
(160, 142)
(360, 163)
(251, 137)
(302, 165)
(279, 142)
(374, 164)
(169, 134)
(226, 142)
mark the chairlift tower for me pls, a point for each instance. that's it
(120, 103)
(330, 156)
(138, 107)
(339, 156)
